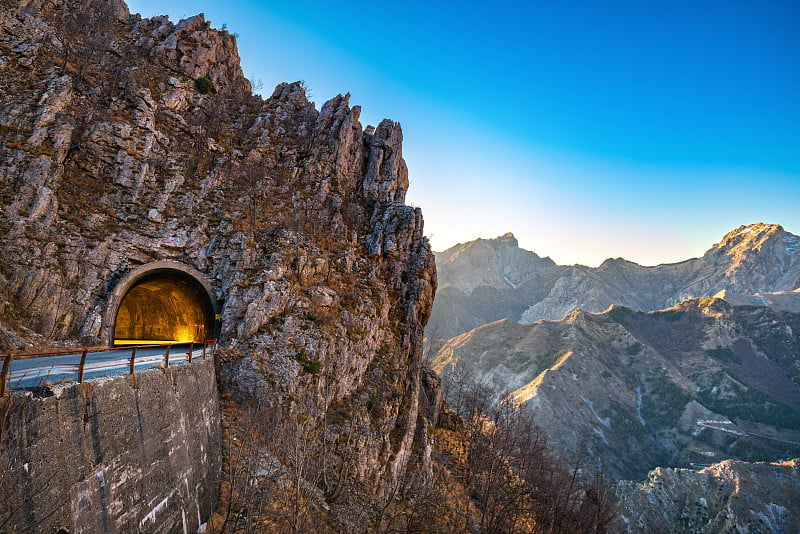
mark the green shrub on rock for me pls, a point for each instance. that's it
(204, 85)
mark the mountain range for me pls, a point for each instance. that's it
(677, 380)
(688, 386)
(490, 279)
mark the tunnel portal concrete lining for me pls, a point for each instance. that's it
(161, 302)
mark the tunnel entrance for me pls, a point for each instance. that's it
(162, 305)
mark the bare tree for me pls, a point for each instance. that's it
(515, 481)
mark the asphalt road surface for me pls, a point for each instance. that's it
(49, 370)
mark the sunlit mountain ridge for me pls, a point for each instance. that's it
(490, 279)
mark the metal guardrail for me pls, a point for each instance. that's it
(97, 366)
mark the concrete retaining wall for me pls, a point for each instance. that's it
(108, 456)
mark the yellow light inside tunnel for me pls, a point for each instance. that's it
(185, 334)
(163, 308)
(143, 341)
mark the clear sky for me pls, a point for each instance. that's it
(643, 130)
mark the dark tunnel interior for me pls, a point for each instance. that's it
(162, 307)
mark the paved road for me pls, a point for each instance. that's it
(47, 370)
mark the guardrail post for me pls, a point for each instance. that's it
(205, 344)
(191, 346)
(166, 356)
(4, 376)
(215, 356)
(81, 366)
(133, 362)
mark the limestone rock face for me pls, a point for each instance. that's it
(116, 154)
(729, 496)
(486, 280)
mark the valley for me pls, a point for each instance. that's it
(648, 372)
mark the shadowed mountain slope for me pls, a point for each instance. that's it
(690, 385)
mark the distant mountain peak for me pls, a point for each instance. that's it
(758, 252)
(507, 239)
(751, 236)
(611, 262)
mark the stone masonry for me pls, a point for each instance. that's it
(114, 455)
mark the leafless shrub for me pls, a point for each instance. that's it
(515, 481)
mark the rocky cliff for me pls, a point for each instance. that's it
(487, 280)
(128, 141)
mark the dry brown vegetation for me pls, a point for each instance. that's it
(492, 471)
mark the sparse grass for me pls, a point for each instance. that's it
(518, 361)
(547, 361)
(672, 316)
(620, 313)
(313, 367)
(622, 421)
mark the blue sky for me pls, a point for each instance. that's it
(644, 130)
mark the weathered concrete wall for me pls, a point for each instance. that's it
(109, 456)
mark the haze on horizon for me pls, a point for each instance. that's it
(627, 129)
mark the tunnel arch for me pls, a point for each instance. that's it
(161, 302)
